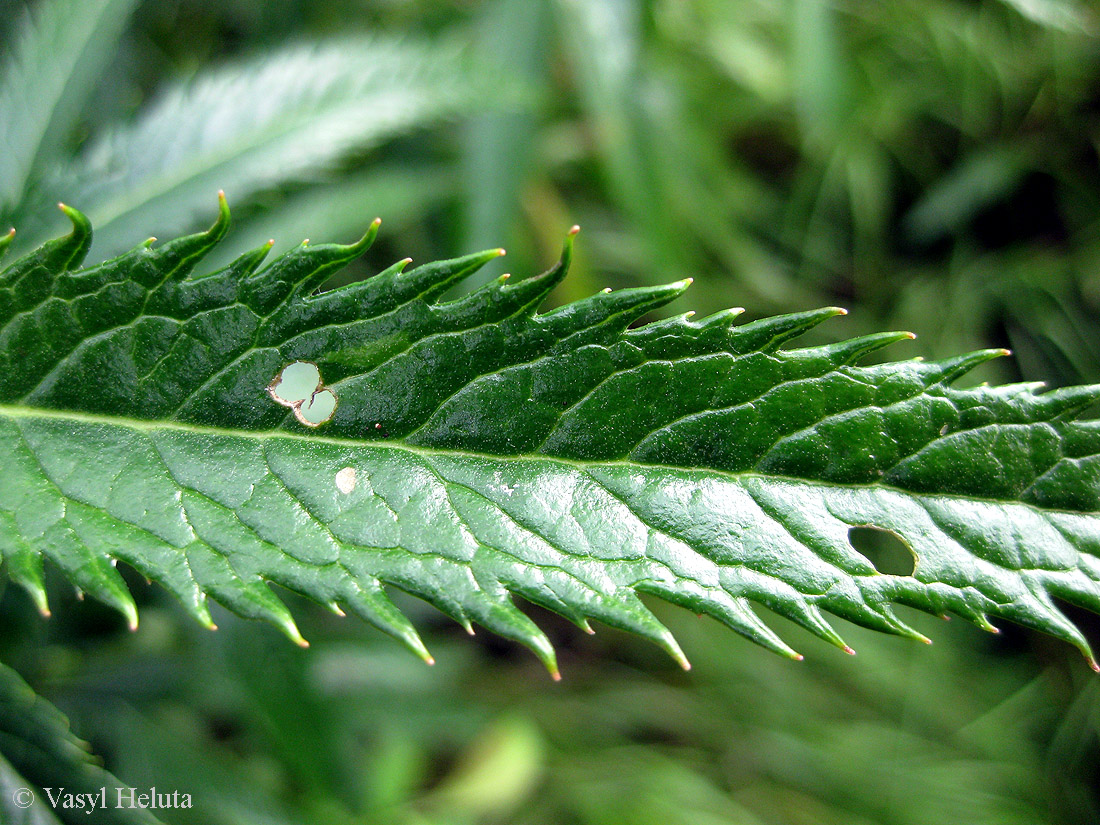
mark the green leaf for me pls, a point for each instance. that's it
(256, 124)
(59, 51)
(224, 431)
(37, 751)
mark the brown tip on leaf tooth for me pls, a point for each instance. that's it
(798, 657)
(270, 243)
(501, 252)
(574, 230)
(912, 336)
(848, 650)
(428, 660)
(1093, 665)
(555, 674)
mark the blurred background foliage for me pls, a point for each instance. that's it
(931, 165)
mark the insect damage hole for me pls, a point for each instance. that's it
(346, 480)
(886, 550)
(298, 385)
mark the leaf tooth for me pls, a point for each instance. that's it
(722, 318)
(25, 569)
(179, 257)
(94, 574)
(809, 617)
(246, 264)
(318, 262)
(5, 241)
(252, 599)
(539, 593)
(499, 299)
(375, 291)
(499, 615)
(609, 312)
(734, 613)
(1068, 400)
(199, 610)
(76, 244)
(369, 600)
(768, 334)
(676, 325)
(949, 369)
(876, 615)
(59, 255)
(850, 351)
(297, 273)
(433, 279)
(626, 612)
(1041, 614)
(530, 292)
(327, 258)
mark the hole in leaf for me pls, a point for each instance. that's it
(884, 549)
(295, 383)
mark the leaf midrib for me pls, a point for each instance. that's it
(143, 426)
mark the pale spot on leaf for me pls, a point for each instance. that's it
(345, 480)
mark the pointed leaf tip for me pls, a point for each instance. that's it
(364, 243)
(81, 225)
(221, 225)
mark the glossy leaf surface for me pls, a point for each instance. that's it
(469, 450)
